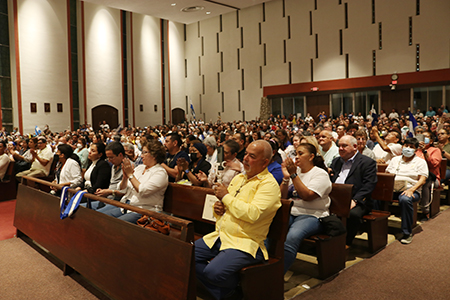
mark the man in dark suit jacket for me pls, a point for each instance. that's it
(354, 168)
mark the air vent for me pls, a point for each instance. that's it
(192, 8)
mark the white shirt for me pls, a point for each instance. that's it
(396, 150)
(331, 154)
(46, 154)
(4, 163)
(227, 173)
(318, 181)
(212, 159)
(153, 185)
(407, 173)
(346, 167)
(71, 172)
(87, 174)
(393, 115)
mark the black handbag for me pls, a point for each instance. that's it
(332, 225)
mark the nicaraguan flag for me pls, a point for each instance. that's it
(192, 108)
(412, 125)
(374, 114)
(37, 130)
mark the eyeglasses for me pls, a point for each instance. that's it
(145, 152)
(441, 133)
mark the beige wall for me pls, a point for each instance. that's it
(431, 29)
(43, 63)
(103, 58)
(147, 69)
(44, 55)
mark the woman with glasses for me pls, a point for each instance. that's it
(144, 185)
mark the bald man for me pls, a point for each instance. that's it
(244, 214)
(328, 148)
(351, 167)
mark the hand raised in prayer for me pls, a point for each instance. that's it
(127, 168)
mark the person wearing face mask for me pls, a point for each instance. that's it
(189, 171)
(82, 152)
(411, 173)
(433, 157)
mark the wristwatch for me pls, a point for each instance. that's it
(293, 175)
(186, 171)
(131, 177)
(424, 151)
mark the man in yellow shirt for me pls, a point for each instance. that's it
(243, 215)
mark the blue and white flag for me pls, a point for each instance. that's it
(412, 125)
(374, 114)
(37, 130)
(192, 107)
(69, 209)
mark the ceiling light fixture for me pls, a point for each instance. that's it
(173, 4)
(208, 12)
(192, 8)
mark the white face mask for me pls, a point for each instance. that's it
(79, 146)
(408, 152)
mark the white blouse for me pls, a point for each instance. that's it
(71, 172)
(153, 185)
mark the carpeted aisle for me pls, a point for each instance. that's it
(419, 270)
(7, 230)
(26, 274)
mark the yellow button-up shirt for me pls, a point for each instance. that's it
(250, 205)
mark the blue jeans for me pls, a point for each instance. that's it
(447, 176)
(407, 210)
(220, 276)
(116, 212)
(300, 227)
(94, 205)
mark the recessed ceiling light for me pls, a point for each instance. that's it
(208, 12)
(173, 4)
(192, 8)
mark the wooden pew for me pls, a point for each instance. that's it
(122, 259)
(381, 168)
(8, 185)
(435, 206)
(261, 281)
(331, 252)
(377, 221)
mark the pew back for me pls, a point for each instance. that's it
(123, 259)
(8, 185)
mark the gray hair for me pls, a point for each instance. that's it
(128, 146)
(211, 142)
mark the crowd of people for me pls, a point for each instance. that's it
(250, 165)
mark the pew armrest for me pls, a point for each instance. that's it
(263, 281)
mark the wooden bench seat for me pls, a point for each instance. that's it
(8, 185)
(377, 221)
(260, 281)
(331, 252)
(122, 259)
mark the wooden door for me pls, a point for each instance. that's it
(178, 116)
(398, 99)
(316, 104)
(105, 113)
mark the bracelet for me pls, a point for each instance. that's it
(285, 179)
(113, 193)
